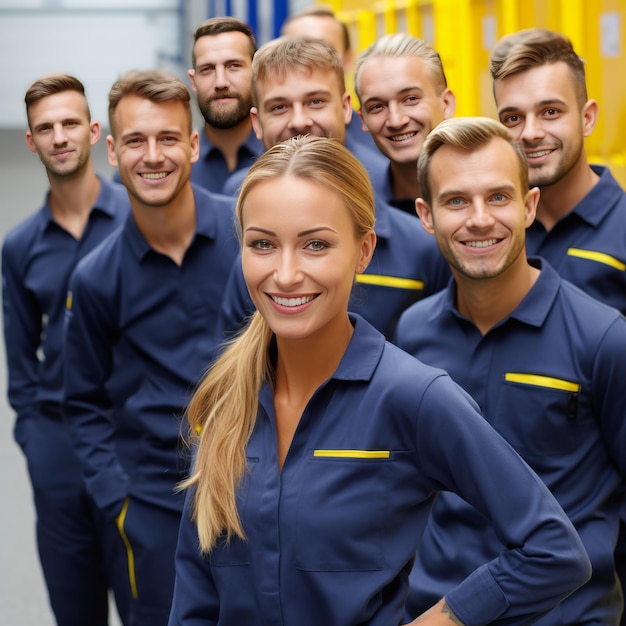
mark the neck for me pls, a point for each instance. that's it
(229, 140)
(71, 198)
(488, 301)
(304, 364)
(404, 182)
(557, 200)
(168, 229)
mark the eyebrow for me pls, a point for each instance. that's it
(541, 103)
(402, 92)
(309, 94)
(160, 133)
(302, 233)
(452, 193)
(63, 121)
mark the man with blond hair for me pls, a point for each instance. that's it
(402, 88)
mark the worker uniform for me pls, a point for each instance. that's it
(550, 379)
(37, 258)
(140, 332)
(588, 245)
(210, 170)
(405, 267)
(331, 537)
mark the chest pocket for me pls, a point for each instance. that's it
(540, 415)
(342, 510)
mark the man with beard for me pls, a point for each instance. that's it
(541, 95)
(221, 79)
(545, 362)
(81, 209)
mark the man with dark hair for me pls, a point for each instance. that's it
(81, 209)
(141, 314)
(221, 78)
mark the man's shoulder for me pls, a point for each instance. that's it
(20, 237)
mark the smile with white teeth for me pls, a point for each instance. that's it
(481, 244)
(292, 301)
(403, 137)
(539, 153)
(154, 175)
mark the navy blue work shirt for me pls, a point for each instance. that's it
(210, 170)
(550, 379)
(38, 257)
(588, 245)
(331, 537)
(140, 332)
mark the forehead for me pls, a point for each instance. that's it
(297, 83)
(318, 27)
(528, 88)
(58, 106)
(386, 75)
(135, 114)
(270, 205)
(224, 46)
(490, 166)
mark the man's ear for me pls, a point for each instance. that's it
(256, 124)
(425, 215)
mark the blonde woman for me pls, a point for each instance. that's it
(320, 447)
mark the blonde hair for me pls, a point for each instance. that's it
(222, 412)
(465, 134)
(402, 45)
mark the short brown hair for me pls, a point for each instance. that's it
(219, 25)
(153, 85)
(52, 84)
(281, 56)
(466, 134)
(535, 47)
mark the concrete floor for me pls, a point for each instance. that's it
(23, 598)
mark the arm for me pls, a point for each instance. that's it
(237, 305)
(22, 334)
(195, 601)
(439, 615)
(90, 334)
(544, 559)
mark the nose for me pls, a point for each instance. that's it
(59, 136)
(221, 78)
(153, 153)
(532, 131)
(300, 120)
(480, 215)
(397, 117)
(287, 272)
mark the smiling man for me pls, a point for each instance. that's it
(80, 210)
(140, 330)
(541, 95)
(544, 361)
(403, 92)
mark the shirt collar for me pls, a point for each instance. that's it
(601, 199)
(207, 207)
(532, 310)
(252, 145)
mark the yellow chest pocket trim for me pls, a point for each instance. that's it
(390, 281)
(542, 381)
(598, 257)
(353, 454)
